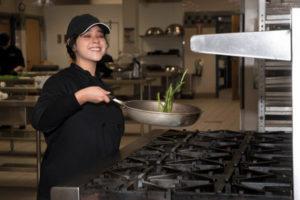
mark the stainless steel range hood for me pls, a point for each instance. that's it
(277, 45)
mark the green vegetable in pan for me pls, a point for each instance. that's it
(167, 105)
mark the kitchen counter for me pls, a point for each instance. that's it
(11, 80)
(17, 109)
(41, 73)
(127, 81)
(16, 101)
(21, 89)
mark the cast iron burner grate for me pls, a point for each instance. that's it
(210, 165)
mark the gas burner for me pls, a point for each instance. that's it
(204, 162)
(200, 165)
(182, 181)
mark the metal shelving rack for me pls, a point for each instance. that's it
(279, 45)
(162, 43)
(160, 47)
(275, 85)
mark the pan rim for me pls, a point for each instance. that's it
(199, 111)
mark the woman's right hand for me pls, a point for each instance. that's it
(92, 94)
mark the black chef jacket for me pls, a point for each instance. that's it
(9, 59)
(76, 136)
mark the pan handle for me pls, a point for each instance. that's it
(113, 98)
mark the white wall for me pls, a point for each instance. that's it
(211, 5)
(11, 6)
(8, 6)
(131, 20)
(57, 19)
(206, 84)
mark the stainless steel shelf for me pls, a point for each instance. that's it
(277, 103)
(278, 113)
(277, 80)
(277, 63)
(278, 67)
(278, 22)
(278, 128)
(278, 19)
(279, 109)
(281, 99)
(278, 94)
(162, 56)
(281, 8)
(277, 84)
(286, 123)
(283, 85)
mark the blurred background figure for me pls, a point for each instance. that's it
(101, 68)
(11, 58)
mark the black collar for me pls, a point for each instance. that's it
(84, 73)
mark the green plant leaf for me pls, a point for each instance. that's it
(168, 101)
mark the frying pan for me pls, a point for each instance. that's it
(146, 112)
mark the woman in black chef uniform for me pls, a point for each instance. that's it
(80, 123)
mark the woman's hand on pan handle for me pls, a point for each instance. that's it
(93, 94)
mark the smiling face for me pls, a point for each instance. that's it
(90, 47)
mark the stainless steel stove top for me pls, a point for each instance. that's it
(191, 164)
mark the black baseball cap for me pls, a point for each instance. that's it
(82, 23)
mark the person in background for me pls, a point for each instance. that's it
(102, 68)
(81, 125)
(11, 61)
(11, 58)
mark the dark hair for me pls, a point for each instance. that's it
(73, 41)
(69, 47)
(4, 39)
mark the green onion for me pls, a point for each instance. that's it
(167, 105)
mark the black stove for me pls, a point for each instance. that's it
(185, 164)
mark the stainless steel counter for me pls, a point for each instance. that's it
(17, 80)
(41, 73)
(127, 81)
(21, 89)
(17, 110)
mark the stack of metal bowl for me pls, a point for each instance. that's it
(154, 31)
(175, 29)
